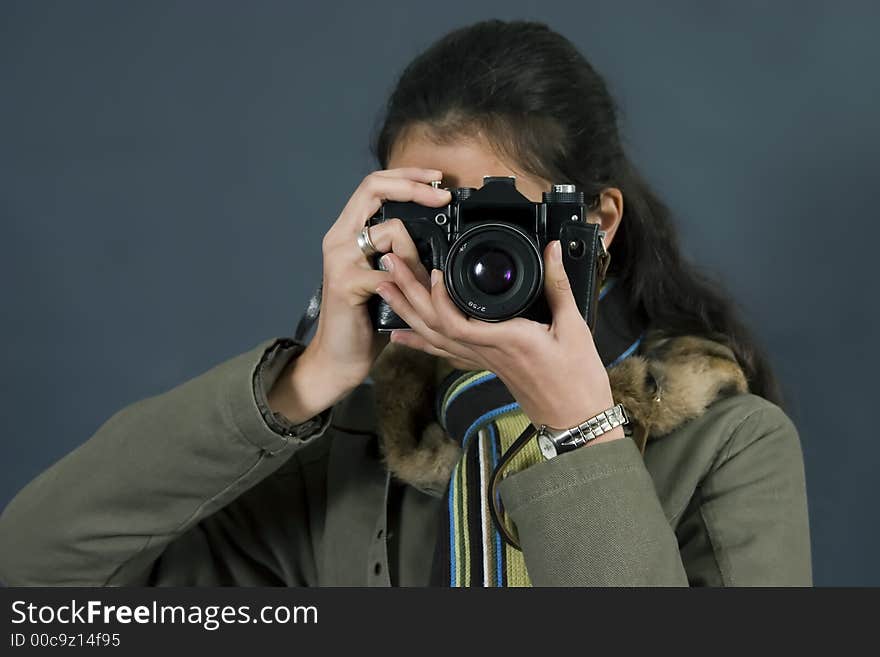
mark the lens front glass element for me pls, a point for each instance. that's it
(493, 271)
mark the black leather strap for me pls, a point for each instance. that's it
(310, 316)
(507, 534)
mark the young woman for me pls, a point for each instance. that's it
(288, 465)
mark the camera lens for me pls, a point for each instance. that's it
(493, 272)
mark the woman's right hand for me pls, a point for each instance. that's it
(345, 344)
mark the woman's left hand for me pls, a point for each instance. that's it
(554, 371)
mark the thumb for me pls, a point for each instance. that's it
(557, 287)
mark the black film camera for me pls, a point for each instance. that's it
(489, 243)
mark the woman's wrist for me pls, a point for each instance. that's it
(305, 388)
(567, 418)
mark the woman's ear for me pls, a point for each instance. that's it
(608, 213)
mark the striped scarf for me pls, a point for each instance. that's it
(475, 408)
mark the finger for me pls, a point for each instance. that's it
(455, 323)
(557, 289)
(413, 173)
(353, 284)
(413, 340)
(386, 236)
(400, 305)
(376, 189)
(392, 235)
(416, 293)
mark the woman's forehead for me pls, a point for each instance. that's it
(463, 161)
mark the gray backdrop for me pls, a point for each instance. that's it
(167, 170)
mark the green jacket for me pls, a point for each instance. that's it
(199, 486)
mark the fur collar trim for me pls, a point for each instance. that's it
(670, 381)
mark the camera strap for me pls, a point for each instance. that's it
(310, 316)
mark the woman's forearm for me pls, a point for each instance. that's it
(103, 513)
(591, 517)
(306, 387)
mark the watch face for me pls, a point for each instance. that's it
(548, 449)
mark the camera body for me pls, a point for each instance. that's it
(489, 243)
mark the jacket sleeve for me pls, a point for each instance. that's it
(748, 521)
(592, 517)
(150, 477)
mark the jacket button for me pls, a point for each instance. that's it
(380, 533)
(377, 568)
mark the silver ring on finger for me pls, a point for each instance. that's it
(365, 244)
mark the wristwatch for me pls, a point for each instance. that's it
(558, 441)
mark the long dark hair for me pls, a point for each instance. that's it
(541, 103)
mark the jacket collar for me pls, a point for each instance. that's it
(668, 381)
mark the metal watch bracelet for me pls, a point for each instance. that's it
(553, 442)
